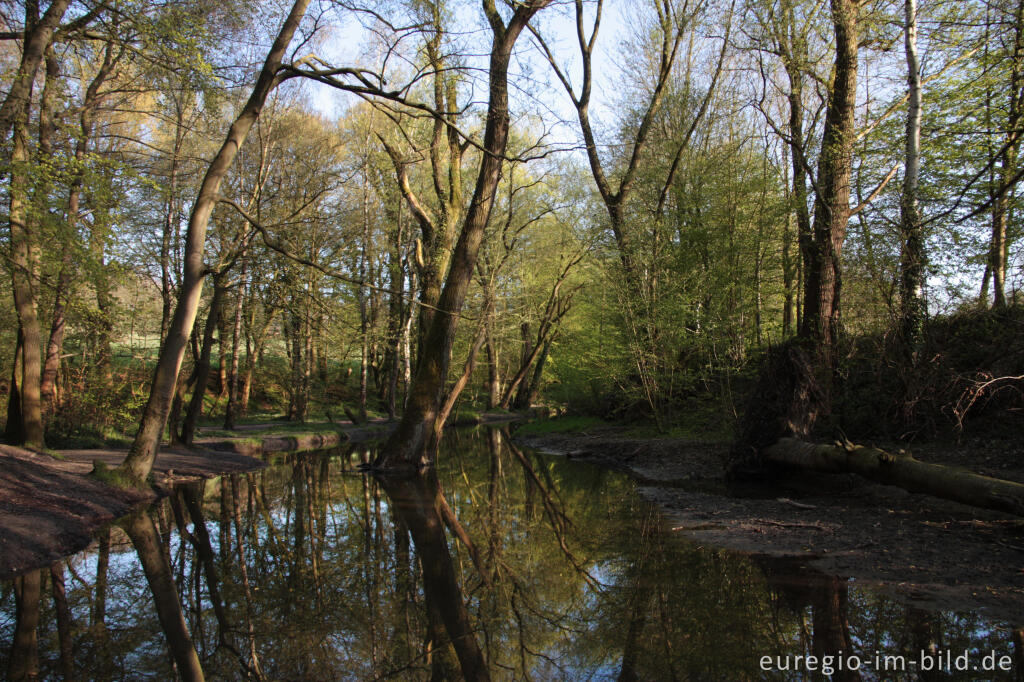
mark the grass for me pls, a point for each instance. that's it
(574, 424)
(286, 429)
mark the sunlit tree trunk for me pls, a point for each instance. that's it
(24, 267)
(38, 35)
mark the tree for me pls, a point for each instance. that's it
(140, 458)
(409, 443)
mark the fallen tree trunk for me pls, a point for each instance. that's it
(901, 470)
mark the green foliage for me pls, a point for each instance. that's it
(97, 414)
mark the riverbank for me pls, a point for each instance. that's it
(932, 552)
(51, 507)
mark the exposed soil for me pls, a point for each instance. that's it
(50, 507)
(936, 553)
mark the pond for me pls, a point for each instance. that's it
(506, 564)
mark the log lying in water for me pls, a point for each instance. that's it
(901, 470)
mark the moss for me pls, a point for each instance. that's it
(114, 477)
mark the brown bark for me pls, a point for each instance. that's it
(231, 411)
(38, 35)
(203, 368)
(47, 128)
(822, 266)
(409, 443)
(139, 461)
(24, 272)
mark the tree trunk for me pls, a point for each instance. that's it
(47, 128)
(903, 471)
(24, 271)
(203, 368)
(822, 275)
(14, 431)
(38, 35)
(139, 461)
(231, 411)
(1008, 163)
(409, 443)
(493, 371)
(912, 263)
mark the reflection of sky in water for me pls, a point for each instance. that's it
(583, 577)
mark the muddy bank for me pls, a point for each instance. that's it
(933, 552)
(50, 507)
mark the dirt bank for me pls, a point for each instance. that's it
(50, 507)
(935, 553)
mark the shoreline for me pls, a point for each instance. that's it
(886, 538)
(51, 508)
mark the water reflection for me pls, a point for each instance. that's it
(502, 563)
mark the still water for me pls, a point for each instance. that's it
(506, 564)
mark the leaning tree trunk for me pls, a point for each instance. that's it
(140, 458)
(409, 443)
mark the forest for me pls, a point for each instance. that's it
(221, 210)
(722, 248)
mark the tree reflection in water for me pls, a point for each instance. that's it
(500, 564)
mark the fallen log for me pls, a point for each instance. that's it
(901, 470)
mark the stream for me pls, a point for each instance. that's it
(311, 570)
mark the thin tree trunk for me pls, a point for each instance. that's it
(203, 368)
(913, 257)
(139, 461)
(493, 371)
(47, 128)
(230, 412)
(1008, 163)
